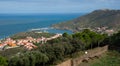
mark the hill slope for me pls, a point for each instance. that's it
(98, 18)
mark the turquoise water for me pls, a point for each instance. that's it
(12, 24)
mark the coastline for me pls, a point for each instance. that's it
(44, 30)
(15, 24)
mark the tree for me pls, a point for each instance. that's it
(3, 61)
(65, 34)
(114, 42)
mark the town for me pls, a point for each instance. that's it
(27, 43)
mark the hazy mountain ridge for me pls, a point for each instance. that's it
(97, 18)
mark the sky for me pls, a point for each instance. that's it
(56, 6)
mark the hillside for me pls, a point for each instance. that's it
(97, 18)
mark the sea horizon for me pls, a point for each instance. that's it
(11, 24)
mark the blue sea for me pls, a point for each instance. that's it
(14, 23)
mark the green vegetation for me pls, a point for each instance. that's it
(32, 58)
(11, 52)
(97, 18)
(58, 50)
(33, 34)
(114, 42)
(3, 61)
(110, 58)
(69, 45)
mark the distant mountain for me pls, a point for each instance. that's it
(98, 18)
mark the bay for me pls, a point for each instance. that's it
(14, 23)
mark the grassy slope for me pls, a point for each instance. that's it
(110, 58)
